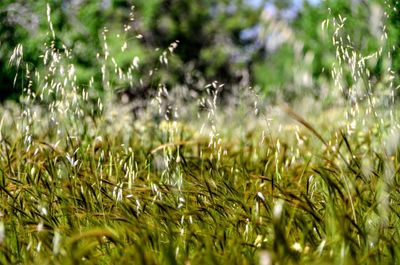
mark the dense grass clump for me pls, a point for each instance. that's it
(83, 182)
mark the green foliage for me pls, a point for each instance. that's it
(208, 34)
(366, 31)
(206, 30)
(271, 73)
(211, 46)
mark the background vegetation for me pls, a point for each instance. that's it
(242, 42)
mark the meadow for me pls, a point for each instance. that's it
(201, 180)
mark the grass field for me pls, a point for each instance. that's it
(166, 194)
(83, 182)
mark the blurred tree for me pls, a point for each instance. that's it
(209, 31)
(392, 8)
(25, 22)
(18, 22)
(235, 42)
(290, 41)
(366, 31)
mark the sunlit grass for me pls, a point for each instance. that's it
(101, 199)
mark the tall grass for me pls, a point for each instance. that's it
(81, 181)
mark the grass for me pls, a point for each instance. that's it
(82, 182)
(98, 200)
